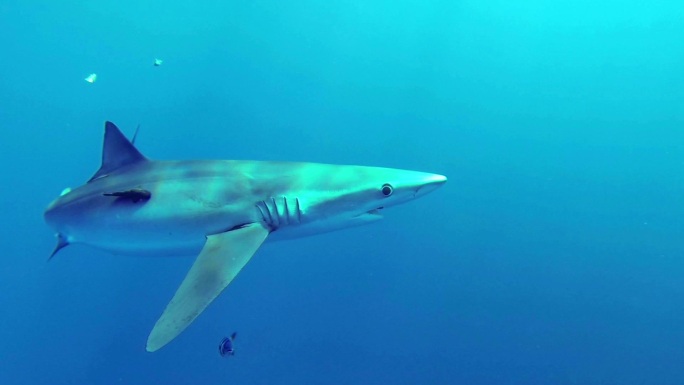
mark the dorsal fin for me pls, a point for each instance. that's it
(117, 151)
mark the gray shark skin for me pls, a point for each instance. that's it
(220, 210)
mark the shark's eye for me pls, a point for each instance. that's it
(387, 189)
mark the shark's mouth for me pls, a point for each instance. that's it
(375, 212)
(369, 215)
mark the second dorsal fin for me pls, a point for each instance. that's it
(117, 151)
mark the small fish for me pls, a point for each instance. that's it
(91, 78)
(226, 345)
(158, 62)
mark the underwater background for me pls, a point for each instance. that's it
(554, 254)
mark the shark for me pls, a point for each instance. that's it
(222, 211)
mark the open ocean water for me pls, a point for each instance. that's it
(554, 254)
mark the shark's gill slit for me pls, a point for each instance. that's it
(261, 210)
(276, 212)
(285, 214)
(287, 211)
(268, 220)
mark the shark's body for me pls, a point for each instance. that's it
(222, 210)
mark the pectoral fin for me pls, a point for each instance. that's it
(221, 259)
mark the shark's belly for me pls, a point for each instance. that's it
(142, 243)
(157, 228)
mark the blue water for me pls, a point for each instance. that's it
(554, 254)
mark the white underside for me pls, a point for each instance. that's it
(185, 243)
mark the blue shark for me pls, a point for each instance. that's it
(220, 210)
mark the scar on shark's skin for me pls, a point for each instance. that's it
(134, 195)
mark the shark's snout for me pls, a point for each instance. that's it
(430, 183)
